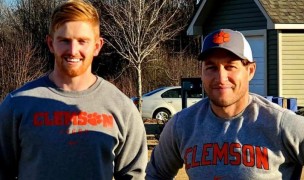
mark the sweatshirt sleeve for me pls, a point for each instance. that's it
(165, 160)
(131, 161)
(8, 141)
(293, 136)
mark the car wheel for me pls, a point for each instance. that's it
(162, 114)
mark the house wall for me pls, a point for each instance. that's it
(257, 41)
(245, 15)
(292, 66)
(272, 63)
(239, 15)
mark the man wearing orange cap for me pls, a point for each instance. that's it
(231, 134)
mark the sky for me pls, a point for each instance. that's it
(8, 2)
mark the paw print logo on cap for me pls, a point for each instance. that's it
(221, 37)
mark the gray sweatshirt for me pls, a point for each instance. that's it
(47, 133)
(264, 142)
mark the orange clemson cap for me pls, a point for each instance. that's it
(233, 41)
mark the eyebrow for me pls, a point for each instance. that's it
(209, 62)
(61, 37)
(232, 61)
(82, 38)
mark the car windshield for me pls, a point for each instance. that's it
(153, 92)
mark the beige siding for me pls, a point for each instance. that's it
(293, 66)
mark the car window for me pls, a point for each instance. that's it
(153, 92)
(194, 94)
(172, 93)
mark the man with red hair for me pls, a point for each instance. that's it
(71, 124)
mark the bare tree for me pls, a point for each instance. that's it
(135, 29)
(1, 8)
(18, 65)
(29, 20)
(181, 65)
(22, 54)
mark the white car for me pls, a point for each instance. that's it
(163, 103)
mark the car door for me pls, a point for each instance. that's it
(173, 98)
(193, 96)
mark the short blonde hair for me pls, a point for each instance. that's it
(74, 10)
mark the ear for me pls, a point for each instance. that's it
(98, 45)
(251, 70)
(49, 41)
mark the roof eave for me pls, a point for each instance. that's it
(270, 24)
(192, 28)
(288, 26)
(195, 28)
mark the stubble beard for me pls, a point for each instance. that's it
(72, 72)
(226, 102)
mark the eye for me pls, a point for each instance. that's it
(83, 41)
(231, 67)
(210, 68)
(64, 41)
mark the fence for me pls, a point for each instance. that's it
(289, 103)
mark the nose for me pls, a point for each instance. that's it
(222, 75)
(73, 47)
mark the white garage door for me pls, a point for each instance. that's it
(259, 82)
